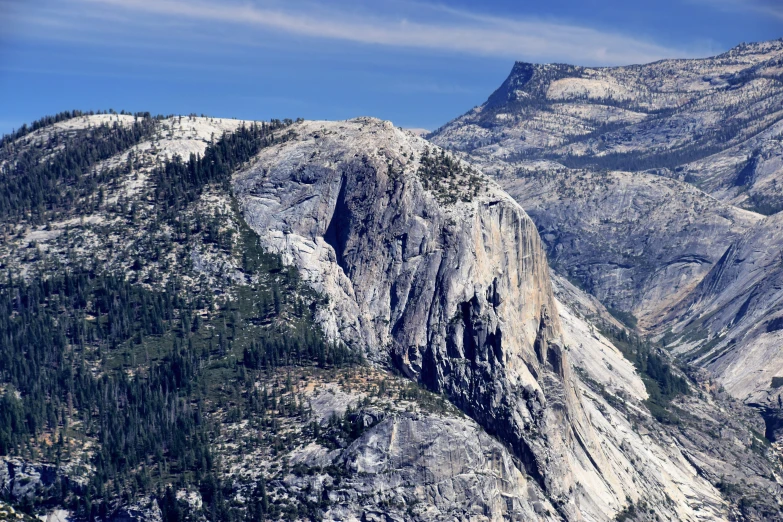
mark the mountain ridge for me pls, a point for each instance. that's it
(211, 319)
(586, 155)
(286, 266)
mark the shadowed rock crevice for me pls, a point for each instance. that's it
(455, 293)
(337, 232)
(746, 175)
(480, 342)
(773, 420)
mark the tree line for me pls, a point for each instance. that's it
(54, 176)
(86, 353)
(661, 381)
(179, 183)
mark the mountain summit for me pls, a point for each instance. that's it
(652, 187)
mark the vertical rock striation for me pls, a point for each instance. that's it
(449, 283)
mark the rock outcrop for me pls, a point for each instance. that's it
(432, 271)
(657, 115)
(731, 323)
(747, 175)
(453, 291)
(587, 152)
(22, 481)
(638, 242)
(582, 150)
(710, 433)
(457, 296)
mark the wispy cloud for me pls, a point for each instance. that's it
(451, 31)
(772, 8)
(429, 87)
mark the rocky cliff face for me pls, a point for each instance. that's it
(419, 459)
(455, 292)
(551, 132)
(713, 436)
(730, 324)
(746, 175)
(456, 295)
(638, 242)
(429, 269)
(639, 179)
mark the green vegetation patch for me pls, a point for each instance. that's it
(136, 378)
(52, 178)
(448, 178)
(627, 318)
(661, 382)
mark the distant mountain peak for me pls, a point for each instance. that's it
(529, 81)
(749, 48)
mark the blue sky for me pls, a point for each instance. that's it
(418, 63)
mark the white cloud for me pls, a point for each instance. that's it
(453, 31)
(428, 87)
(772, 8)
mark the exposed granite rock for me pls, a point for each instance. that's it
(657, 115)
(438, 468)
(145, 510)
(715, 443)
(636, 241)
(415, 456)
(457, 296)
(638, 244)
(747, 175)
(654, 248)
(731, 323)
(21, 480)
(446, 280)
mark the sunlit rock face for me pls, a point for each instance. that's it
(447, 283)
(587, 152)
